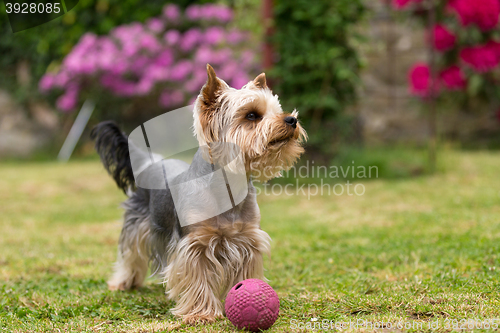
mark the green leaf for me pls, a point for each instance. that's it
(474, 85)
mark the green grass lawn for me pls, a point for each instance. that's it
(411, 250)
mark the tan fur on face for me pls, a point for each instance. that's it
(207, 262)
(223, 120)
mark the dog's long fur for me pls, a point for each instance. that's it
(199, 263)
(112, 146)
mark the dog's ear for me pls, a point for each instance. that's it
(212, 89)
(205, 123)
(260, 81)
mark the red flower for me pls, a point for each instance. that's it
(443, 38)
(420, 80)
(465, 10)
(483, 13)
(494, 46)
(487, 14)
(482, 58)
(453, 78)
(400, 4)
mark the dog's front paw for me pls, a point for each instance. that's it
(194, 319)
(113, 286)
(120, 281)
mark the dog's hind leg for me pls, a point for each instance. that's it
(133, 252)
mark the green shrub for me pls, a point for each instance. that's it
(317, 68)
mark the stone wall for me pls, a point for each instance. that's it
(24, 130)
(388, 112)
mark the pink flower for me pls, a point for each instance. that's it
(165, 58)
(483, 13)
(443, 38)
(85, 43)
(171, 98)
(129, 48)
(172, 37)
(222, 56)
(78, 62)
(224, 14)
(106, 61)
(192, 86)
(239, 80)
(123, 88)
(481, 58)
(138, 65)
(204, 55)
(157, 73)
(120, 65)
(150, 43)
(235, 37)
(180, 70)
(171, 12)
(420, 80)
(453, 78)
(214, 35)
(400, 4)
(229, 70)
(218, 13)
(194, 12)
(61, 79)
(68, 101)
(190, 39)
(47, 82)
(144, 86)
(127, 32)
(155, 25)
(197, 81)
(117, 85)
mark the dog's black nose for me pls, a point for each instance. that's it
(292, 121)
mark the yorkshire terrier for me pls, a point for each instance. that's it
(200, 262)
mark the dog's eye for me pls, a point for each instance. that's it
(251, 116)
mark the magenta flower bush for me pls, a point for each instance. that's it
(443, 39)
(483, 13)
(482, 58)
(420, 77)
(453, 78)
(165, 57)
(466, 37)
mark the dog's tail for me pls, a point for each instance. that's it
(112, 146)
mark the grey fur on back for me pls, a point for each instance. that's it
(166, 230)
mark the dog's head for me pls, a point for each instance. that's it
(252, 118)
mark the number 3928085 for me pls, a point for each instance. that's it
(32, 8)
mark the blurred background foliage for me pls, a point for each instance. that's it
(140, 70)
(47, 44)
(41, 49)
(315, 67)
(342, 64)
